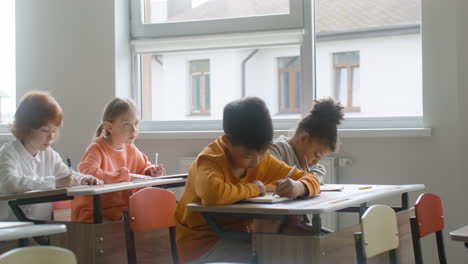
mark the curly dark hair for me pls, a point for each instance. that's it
(322, 121)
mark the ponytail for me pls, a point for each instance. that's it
(99, 130)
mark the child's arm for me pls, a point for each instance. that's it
(62, 170)
(91, 164)
(277, 171)
(146, 168)
(13, 182)
(213, 188)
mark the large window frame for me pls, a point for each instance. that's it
(297, 28)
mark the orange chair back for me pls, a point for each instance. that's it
(429, 214)
(62, 205)
(151, 208)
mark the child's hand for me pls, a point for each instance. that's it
(91, 180)
(261, 187)
(65, 182)
(156, 171)
(270, 188)
(124, 175)
(290, 188)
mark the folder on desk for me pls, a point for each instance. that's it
(269, 197)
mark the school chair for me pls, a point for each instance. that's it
(38, 255)
(429, 219)
(149, 209)
(379, 234)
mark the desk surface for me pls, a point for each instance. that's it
(14, 224)
(20, 232)
(460, 234)
(98, 189)
(319, 204)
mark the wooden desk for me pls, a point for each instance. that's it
(26, 231)
(100, 242)
(33, 197)
(460, 234)
(271, 248)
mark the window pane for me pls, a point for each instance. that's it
(160, 11)
(176, 85)
(382, 39)
(7, 61)
(289, 62)
(200, 66)
(298, 90)
(284, 88)
(355, 76)
(342, 86)
(207, 93)
(196, 93)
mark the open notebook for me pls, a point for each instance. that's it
(267, 198)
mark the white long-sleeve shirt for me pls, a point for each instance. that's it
(21, 172)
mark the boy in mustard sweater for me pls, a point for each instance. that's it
(234, 167)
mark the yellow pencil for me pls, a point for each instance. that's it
(364, 187)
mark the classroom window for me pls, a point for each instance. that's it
(346, 71)
(289, 84)
(8, 61)
(167, 11)
(200, 87)
(366, 60)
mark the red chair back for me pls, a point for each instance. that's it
(151, 208)
(429, 214)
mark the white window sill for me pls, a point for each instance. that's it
(343, 133)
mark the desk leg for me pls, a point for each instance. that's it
(404, 201)
(316, 225)
(97, 215)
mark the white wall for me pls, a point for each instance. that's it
(67, 46)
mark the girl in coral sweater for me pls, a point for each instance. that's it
(111, 157)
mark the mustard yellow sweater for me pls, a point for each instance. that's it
(211, 182)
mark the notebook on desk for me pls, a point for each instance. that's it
(269, 197)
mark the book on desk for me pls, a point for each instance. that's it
(270, 197)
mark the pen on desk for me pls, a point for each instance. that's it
(364, 187)
(290, 172)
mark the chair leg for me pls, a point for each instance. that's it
(393, 256)
(175, 257)
(441, 248)
(359, 249)
(129, 240)
(418, 259)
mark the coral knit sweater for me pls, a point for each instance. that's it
(106, 163)
(211, 182)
